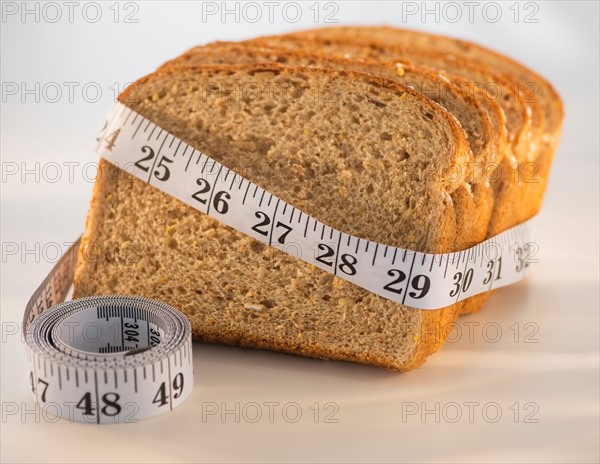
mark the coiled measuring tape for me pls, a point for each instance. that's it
(104, 359)
(419, 280)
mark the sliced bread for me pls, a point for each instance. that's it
(476, 195)
(541, 98)
(487, 135)
(348, 148)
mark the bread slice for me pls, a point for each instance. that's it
(350, 149)
(481, 118)
(476, 195)
(540, 96)
(509, 179)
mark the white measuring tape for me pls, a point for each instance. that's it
(104, 359)
(137, 360)
(419, 280)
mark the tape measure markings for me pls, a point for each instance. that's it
(145, 369)
(218, 191)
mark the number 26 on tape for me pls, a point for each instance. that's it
(219, 201)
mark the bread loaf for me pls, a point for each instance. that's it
(361, 128)
(456, 102)
(476, 195)
(488, 142)
(521, 176)
(355, 158)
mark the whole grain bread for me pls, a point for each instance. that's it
(542, 100)
(521, 133)
(475, 195)
(348, 148)
(481, 118)
(520, 177)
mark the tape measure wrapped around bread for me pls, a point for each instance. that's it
(360, 155)
(528, 127)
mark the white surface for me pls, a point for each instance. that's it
(555, 377)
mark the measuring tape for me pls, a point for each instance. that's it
(123, 358)
(419, 280)
(104, 359)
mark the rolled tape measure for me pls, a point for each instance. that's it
(105, 359)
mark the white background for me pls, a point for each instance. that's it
(554, 376)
